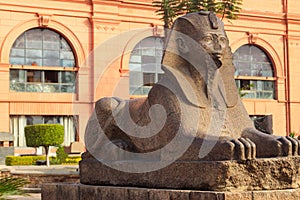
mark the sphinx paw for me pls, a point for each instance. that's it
(289, 146)
(244, 149)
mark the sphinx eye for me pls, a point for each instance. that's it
(222, 39)
(207, 38)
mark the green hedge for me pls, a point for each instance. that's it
(31, 160)
(23, 160)
(72, 160)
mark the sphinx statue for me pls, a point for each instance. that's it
(196, 98)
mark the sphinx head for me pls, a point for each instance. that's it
(204, 28)
(197, 47)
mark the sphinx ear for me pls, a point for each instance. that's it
(181, 45)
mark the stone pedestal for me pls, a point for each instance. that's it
(260, 179)
(63, 191)
(258, 174)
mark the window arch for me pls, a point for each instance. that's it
(42, 61)
(254, 73)
(145, 65)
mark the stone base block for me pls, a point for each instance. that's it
(259, 174)
(62, 191)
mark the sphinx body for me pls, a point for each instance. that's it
(197, 97)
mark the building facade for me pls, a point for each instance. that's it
(58, 57)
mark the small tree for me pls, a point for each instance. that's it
(170, 9)
(45, 135)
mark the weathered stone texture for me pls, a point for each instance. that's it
(49, 191)
(259, 174)
(83, 192)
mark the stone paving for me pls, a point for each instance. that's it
(29, 196)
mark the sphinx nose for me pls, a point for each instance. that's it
(217, 46)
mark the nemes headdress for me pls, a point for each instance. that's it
(189, 29)
(199, 22)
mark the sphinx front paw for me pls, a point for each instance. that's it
(244, 149)
(232, 149)
(289, 146)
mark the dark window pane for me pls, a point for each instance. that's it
(14, 75)
(31, 120)
(148, 79)
(245, 84)
(51, 76)
(268, 85)
(17, 75)
(51, 120)
(68, 77)
(34, 76)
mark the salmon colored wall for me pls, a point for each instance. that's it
(86, 25)
(267, 24)
(90, 24)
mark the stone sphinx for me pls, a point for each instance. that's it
(196, 99)
(191, 138)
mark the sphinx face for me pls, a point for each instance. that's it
(214, 42)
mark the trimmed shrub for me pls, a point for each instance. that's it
(61, 155)
(72, 160)
(24, 160)
(31, 160)
(44, 135)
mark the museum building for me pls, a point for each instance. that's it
(58, 57)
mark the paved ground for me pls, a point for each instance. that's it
(29, 196)
(54, 169)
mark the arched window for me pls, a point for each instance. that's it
(145, 65)
(42, 61)
(254, 73)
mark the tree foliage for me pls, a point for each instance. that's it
(45, 135)
(170, 9)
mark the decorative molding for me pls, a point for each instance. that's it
(106, 25)
(158, 31)
(44, 19)
(252, 37)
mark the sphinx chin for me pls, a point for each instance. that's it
(218, 62)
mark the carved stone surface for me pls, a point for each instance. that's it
(258, 174)
(193, 113)
(132, 193)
